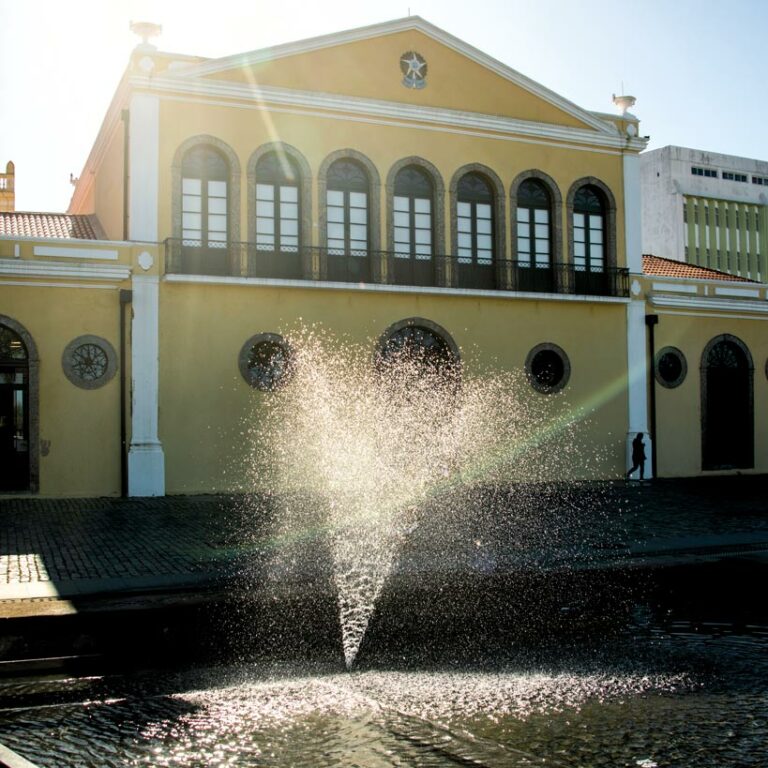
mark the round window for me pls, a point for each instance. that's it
(89, 362)
(548, 368)
(671, 367)
(265, 361)
(418, 347)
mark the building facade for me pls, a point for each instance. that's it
(707, 209)
(389, 184)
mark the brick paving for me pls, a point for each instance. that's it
(57, 547)
(52, 547)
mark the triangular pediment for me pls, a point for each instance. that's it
(366, 64)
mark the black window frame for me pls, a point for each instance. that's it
(199, 164)
(270, 170)
(406, 186)
(347, 186)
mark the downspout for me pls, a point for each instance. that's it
(125, 116)
(126, 297)
(652, 321)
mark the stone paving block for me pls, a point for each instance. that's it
(79, 545)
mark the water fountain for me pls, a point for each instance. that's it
(394, 475)
(389, 445)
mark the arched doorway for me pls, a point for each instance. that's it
(727, 405)
(18, 388)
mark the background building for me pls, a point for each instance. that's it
(707, 209)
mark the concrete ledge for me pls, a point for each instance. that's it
(9, 759)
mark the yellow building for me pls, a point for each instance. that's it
(389, 183)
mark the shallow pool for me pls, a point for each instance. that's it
(654, 693)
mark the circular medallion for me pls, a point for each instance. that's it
(89, 362)
(265, 361)
(414, 69)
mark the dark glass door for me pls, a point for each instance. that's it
(14, 428)
(728, 419)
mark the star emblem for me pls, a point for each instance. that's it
(414, 69)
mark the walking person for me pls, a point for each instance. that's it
(638, 456)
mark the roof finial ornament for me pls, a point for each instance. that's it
(146, 30)
(624, 103)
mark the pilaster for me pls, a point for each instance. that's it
(146, 461)
(144, 153)
(632, 214)
(637, 385)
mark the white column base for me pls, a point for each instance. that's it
(146, 470)
(648, 464)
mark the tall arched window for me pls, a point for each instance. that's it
(348, 235)
(14, 412)
(534, 237)
(475, 232)
(413, 204)
(204, 206)
(277, 217)
(727, 405)
(589, 241)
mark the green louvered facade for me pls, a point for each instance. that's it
(727, 235)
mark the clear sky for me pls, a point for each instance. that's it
(697, 67)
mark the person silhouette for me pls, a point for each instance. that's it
(638, 456)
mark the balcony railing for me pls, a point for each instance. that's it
(387, 267)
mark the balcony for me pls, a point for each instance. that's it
(389, 268)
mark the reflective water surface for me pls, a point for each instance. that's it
(677, 695)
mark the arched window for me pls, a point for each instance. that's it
(14, 412)
(727, 405)
(589, 251)
(277, 204)
(413, 204)
(347, 211)
(475, 231)
(204, 207)
(419, 349)
(204, 178)
(277, 217)
(534, 237)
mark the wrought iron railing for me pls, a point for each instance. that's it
(388, 267)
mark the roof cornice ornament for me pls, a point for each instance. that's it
(146, 30)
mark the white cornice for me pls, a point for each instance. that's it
(712, 282)
(19, 268)
(108, 127)
(73, 241)
(410, 23)
(709, 304)
(50, 284)
(264, 97)
(265, 282)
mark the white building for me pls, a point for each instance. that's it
(706, 209)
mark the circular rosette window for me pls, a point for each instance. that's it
(266, 361)
(418, 348)
(671, 367)
(89, 362)
(548, 368)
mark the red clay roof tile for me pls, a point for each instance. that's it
(656, 265)
(44, 225)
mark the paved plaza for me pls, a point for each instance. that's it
(92, 548)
